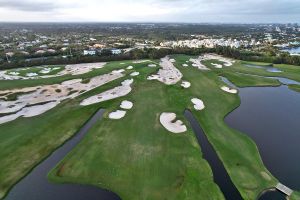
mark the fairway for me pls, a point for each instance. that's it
(136, 157)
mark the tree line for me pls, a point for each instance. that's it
(152, 53)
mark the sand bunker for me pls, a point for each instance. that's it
(185, 84)
(114, 93)
(75, 69)
(117, 114)
(197, 62)
(218, 66)
(127, 105)
(185, 65)
(129, 67)
(141, 61)
(168, 73)
(166, 119)
(198, 104)
(135, 74)
(227, 61)
(152, 65)
(35, 99)
(29, 112)
(229, 90)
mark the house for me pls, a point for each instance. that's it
(89, 52)
(99, 46)
(116, 51)
(40, 52)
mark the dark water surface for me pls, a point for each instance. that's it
(272, 195)
(35, 185)
(271, 117)
(221, 178)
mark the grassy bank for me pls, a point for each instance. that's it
(136, 157)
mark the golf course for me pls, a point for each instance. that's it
(132, 150)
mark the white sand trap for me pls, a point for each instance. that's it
(166, 119)
(227, 61)
(31, 74)
(229, 90)
(76, 69)
(172, 60)
(197, 63)
(185, 65)
(218, 66)
(127, 105)
(198, 104)
(117, 114)
(29, 112)
(35, 100)
(140, 61)
(114, 93)
(118, 71)
(152, 65)
(168, 74)
(129, 67)
(135, 74)
(14, 73)
(185, 84)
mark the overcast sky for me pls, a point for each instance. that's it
(198, 11)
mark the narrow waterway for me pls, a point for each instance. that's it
(35, 185)
(221, 177)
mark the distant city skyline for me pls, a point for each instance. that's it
(193, 11)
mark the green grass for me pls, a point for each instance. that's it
(23, 72)
(20, 140)
(288, 71)
(139, 159)
(242, 80)
(12, 84)
(296, 88)
(208, 63)
(136, 157)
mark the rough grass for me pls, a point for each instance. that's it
(20, 140)
(296, 88)
(242, 80)
(135, 156)
(139, 158)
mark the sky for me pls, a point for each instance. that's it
(193, 11)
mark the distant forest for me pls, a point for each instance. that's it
(283, 58)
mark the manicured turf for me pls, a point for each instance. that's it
(37, 70)
(20, 140)
(136, 157)
(242, 80)
(295, 87)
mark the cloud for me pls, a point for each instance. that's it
(28, 5)
(152, 10)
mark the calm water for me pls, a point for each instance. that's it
(271, 116)
(35, 185)
(272, 195)
(221, 178)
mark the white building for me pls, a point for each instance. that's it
(116, 51)
(89, 52)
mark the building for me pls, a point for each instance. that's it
(116, 51)
(89, 52)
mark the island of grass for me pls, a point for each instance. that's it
(136, 157)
